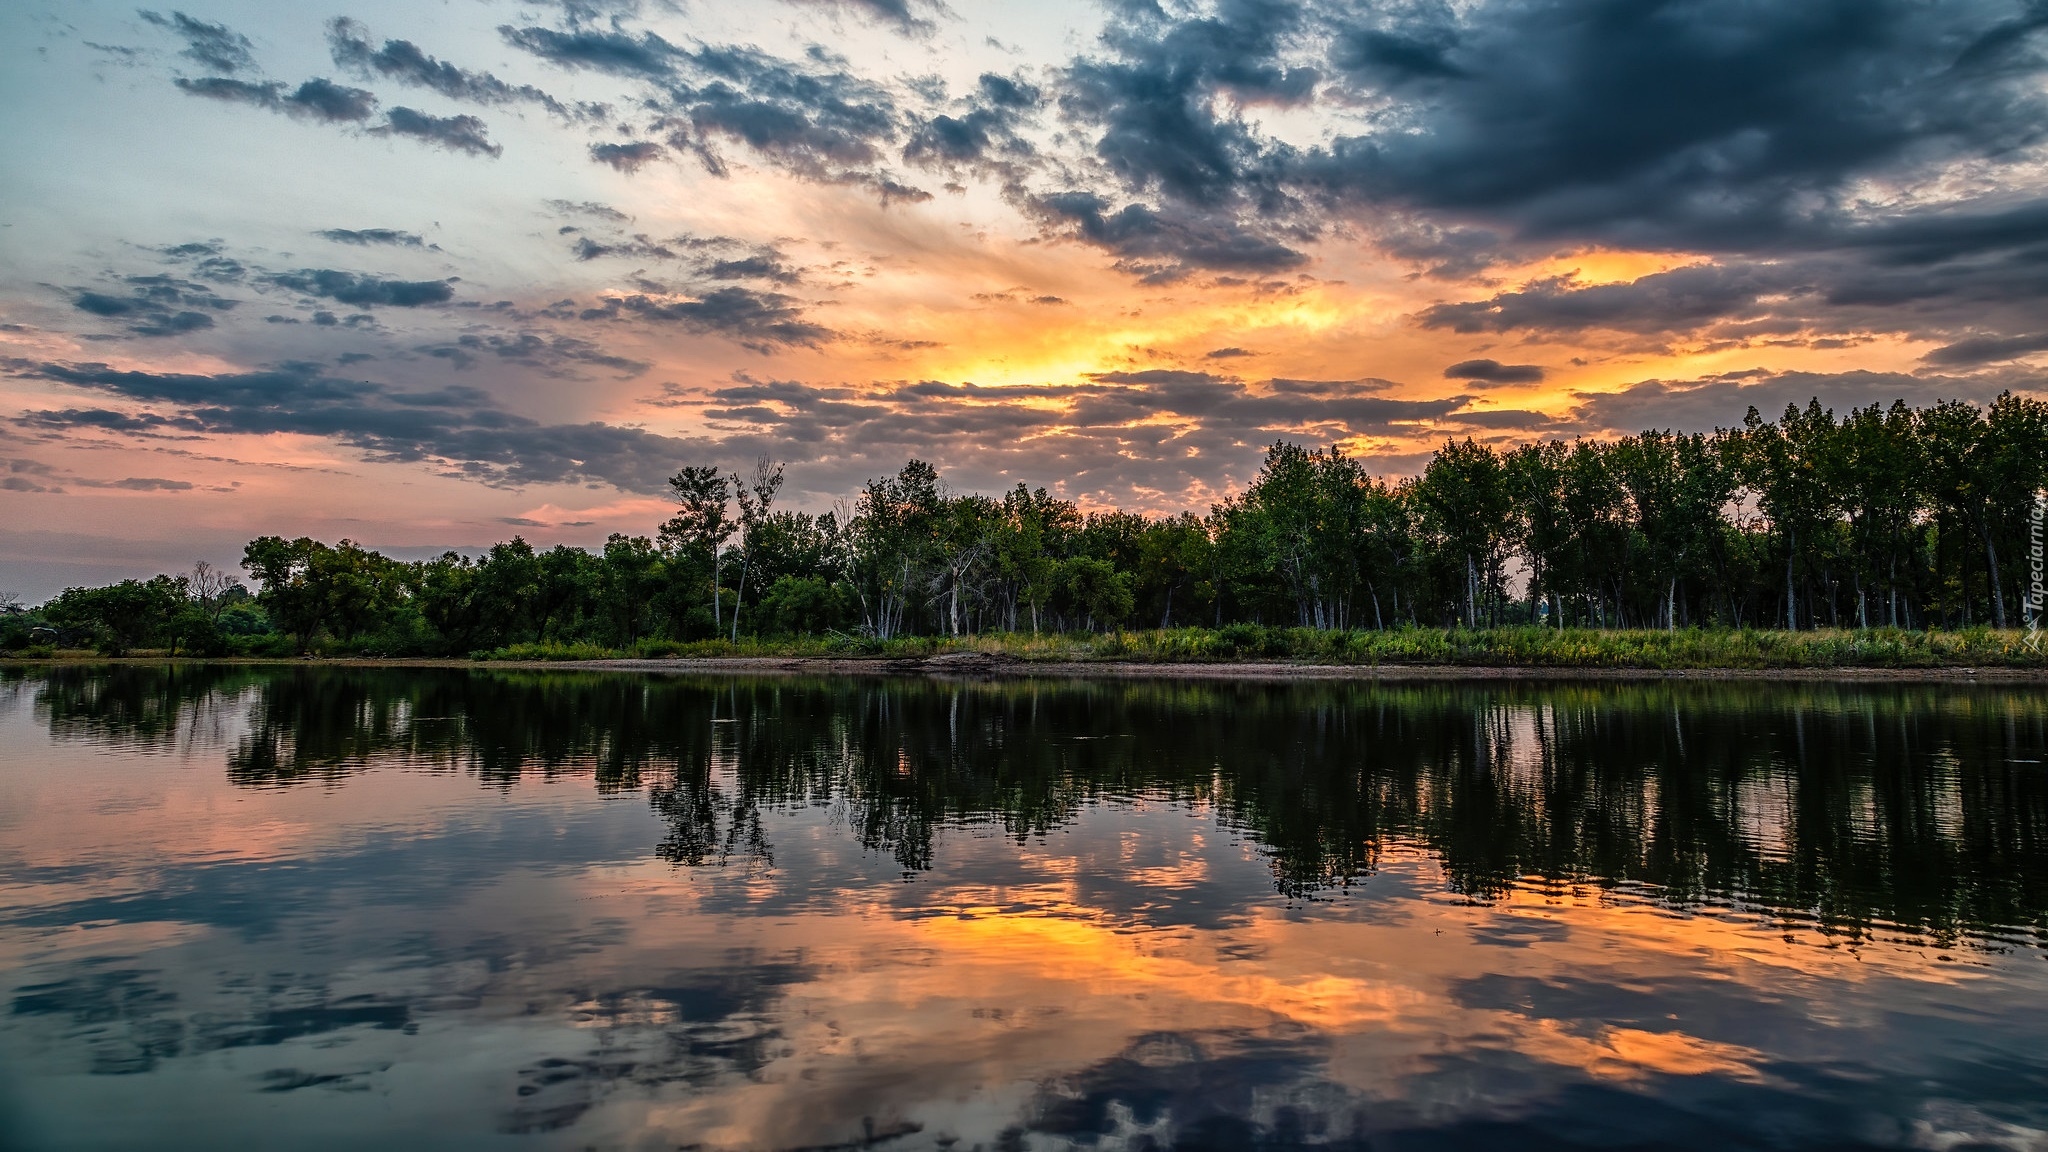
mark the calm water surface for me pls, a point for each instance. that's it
(330, 908)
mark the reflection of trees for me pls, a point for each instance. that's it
(137, 706)
(1917, 805)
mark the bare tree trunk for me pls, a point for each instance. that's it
(1471, 594)
(1997, 590)
(1791, 600)
(740, 594)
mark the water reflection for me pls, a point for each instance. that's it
(780, 913)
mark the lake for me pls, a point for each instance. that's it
(312, 908)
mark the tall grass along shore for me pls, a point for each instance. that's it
(1514, 647)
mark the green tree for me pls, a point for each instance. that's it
(1878, 468)
(1786, 465)
(892, 544)
(1099, 591)
(1466, 505)
(2012, 465)
(1030, 534)
(802, 606)
(288, 588)
(122, 616)
(701, 526)
(1534, 476)
(629, 579)
(1174, 563)
(756, 499)
(565, 584)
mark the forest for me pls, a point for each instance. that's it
(1917, 519)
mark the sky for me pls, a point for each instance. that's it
(430, 274)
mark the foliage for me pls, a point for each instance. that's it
(1872, 532)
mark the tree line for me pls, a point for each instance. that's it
(1901, 517)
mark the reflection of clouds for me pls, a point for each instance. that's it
(989, 929)
(1631, 1054)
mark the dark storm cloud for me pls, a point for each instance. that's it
(266, 94)
(318, 99)
(948, 138)
(899, 14)
(762, 321)
(1714, 122)
(207, 261)
(216, 46)
(638, 247)
(1750, 132)
(99, 419)
(982, 132)
(1162, 245)
(814, 119)
(706, 256)
(768, 266)
(1210, 409)
(1154, 97)
(368, 236)
(1987, 350)
(459, 431)
(1964, 302)
(364, 291)
(455, 133)
(331, 102)
(1200, 188)
(1494, 372)
(155, 305)
(626, 157)
(402, 60)
(646, 56)
(587, 208)
(826, 124)
(554, 354)
(1147, 436)
(1679, 300)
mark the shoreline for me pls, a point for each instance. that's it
(982, 666)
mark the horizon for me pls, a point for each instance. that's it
(430, 278)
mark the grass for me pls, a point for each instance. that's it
(1522, 647)
(1527, 647)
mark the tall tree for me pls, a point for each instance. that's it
(702, 525)
(894, 525)
(757, 499)
(1464, 498)
(1786, 465)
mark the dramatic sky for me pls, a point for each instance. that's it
(430, 274)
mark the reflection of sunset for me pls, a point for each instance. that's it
(1627, 1053)
(855, 908)
(1113, 963)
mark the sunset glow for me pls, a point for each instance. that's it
(378, 272)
